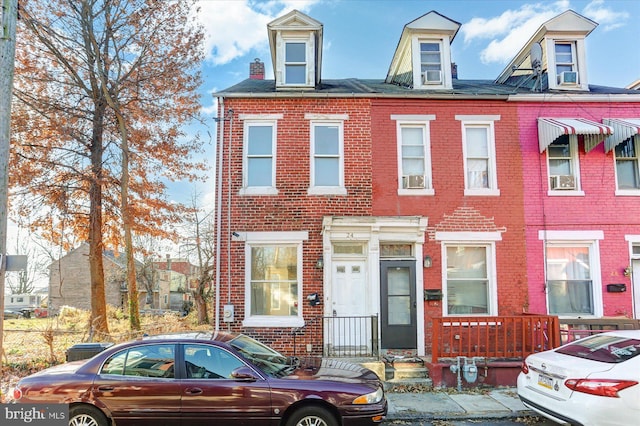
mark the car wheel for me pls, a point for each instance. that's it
(312, 416)
(84, 415)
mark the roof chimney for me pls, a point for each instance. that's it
(256, 70)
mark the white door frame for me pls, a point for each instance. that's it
(371, 231)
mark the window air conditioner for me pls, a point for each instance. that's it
(432, 77)
(563, 182)
(413, 182)
(568, 78)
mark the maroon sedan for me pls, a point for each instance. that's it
(196, 378)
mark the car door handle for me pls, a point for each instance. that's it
(105, 388)
(193, 391)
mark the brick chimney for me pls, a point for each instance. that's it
(256, 70)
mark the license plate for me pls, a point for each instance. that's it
(545, 381)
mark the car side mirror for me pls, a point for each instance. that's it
(244, 374)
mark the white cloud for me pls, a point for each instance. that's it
(233, 28)
(510, 30)
(604, 16)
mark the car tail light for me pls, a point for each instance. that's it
(600, 387)
(524, 367)
(17, 394)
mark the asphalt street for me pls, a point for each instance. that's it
(520, 421)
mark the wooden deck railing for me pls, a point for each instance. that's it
(576, 328)
(503, 337)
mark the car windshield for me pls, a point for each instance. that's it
(266, 359)
(603, 348)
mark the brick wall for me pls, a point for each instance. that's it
(449, 209)
(599, 209)
(292, 209)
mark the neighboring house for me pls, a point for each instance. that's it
(70, 280)
(177, 279)
(421, 195)
(582, 178)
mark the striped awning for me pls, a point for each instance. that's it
(623, 129)
(550, 129)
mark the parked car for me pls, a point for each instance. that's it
(592, 381)
(204, 378)
(9, 314)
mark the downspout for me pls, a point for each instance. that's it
(229, 230)
(219, 163)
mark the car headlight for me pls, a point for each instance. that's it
(370, 398)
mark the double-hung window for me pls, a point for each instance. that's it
(273, 279)
(414, 154)
(627, 164)
(573, 272)
(295, 62)
(259, 155)
(327, 154)
(469, 272)
(562, 157)
(479, 155)
(565, 58)
(431, 62)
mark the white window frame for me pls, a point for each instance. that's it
(587, 238)
(445, 62)
(575, 167)
(635, 191)
(578, 62)
(259, 120)
(475, 239)
(265, 239)
(318, 120)
(486, 122)
(422, 121)
(285, 42)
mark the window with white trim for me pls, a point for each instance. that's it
(470, 283)
(273, 279)
(565, 59)
(569, 279)
(431, 61)
(479, 155)
(259, 159)
(562, 163)
(327, 154)
(627, 164)
(414, 154)
(572, 272)
(295, 62)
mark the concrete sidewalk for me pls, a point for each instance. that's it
(435, 405)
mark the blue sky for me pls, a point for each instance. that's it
(360, 37)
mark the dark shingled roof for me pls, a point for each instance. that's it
(375, 88)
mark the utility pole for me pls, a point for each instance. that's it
(7, 57)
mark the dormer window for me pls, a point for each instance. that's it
(422, 60)
(558, 50)
(296, 51)
(566, 67)
(431, 62)
(295, 62)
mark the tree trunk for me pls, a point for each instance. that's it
(98, 319)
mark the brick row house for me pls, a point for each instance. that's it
(357, 210)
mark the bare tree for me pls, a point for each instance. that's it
(105, 87)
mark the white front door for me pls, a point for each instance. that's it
(348, 327)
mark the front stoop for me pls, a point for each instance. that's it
(406, 374)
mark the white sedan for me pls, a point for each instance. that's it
(592, 381)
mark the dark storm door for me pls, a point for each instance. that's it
(398, 304)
